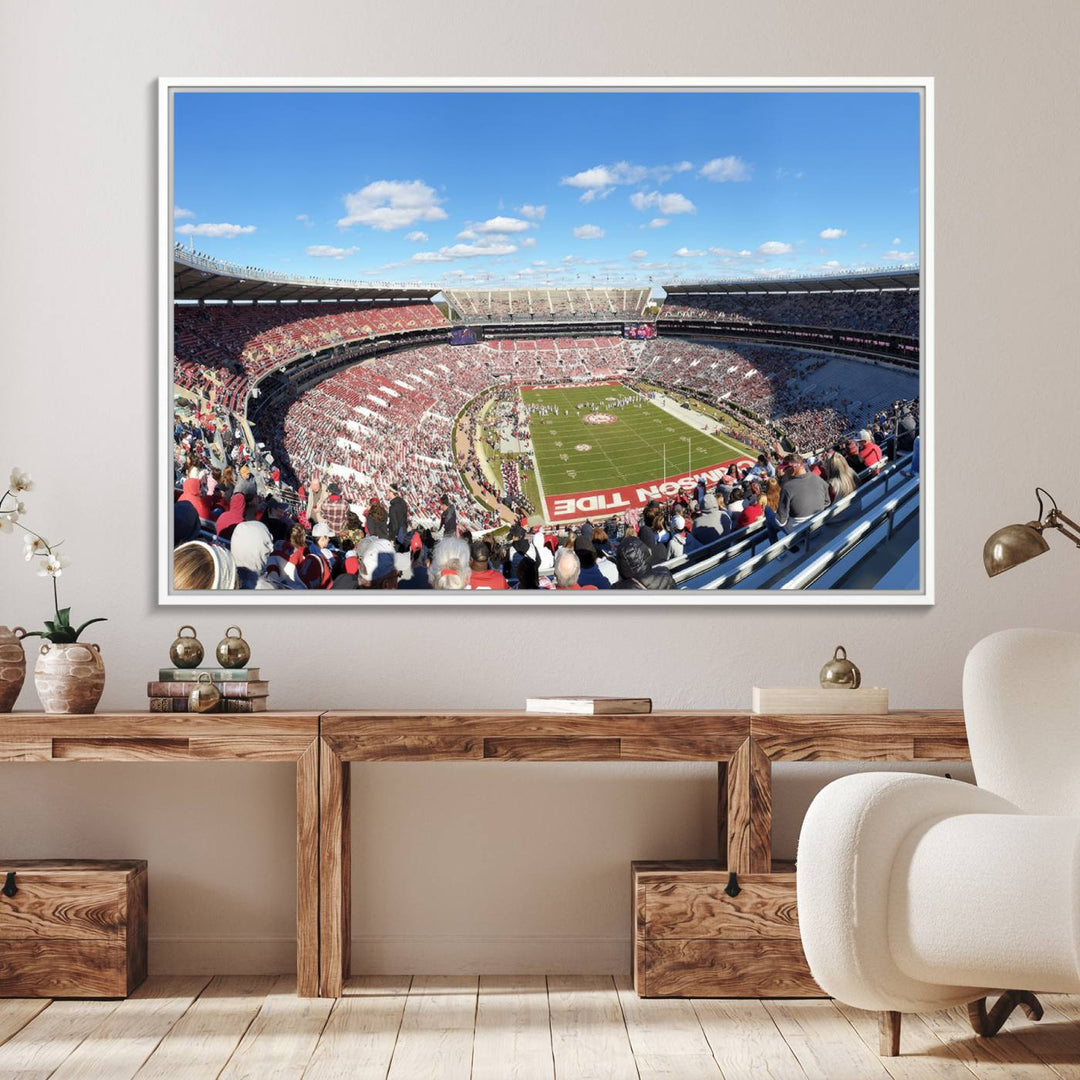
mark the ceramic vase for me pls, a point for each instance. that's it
(69, 678)
(12, 666)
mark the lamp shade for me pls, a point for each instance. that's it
(1012, 545)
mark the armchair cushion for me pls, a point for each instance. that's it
(851, 837)
(988, 899)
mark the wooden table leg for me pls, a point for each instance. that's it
(307, 872)
(334, 872)
(749, 810)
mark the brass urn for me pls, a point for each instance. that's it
(186, 652)
(233, 652)
(204, 696)
(840, 673)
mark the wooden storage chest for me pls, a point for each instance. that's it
(71, 928)
(693, 939)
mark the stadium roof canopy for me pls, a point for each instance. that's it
(199, 277)
(882, 278)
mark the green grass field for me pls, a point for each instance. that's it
(629, 451)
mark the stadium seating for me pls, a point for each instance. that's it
(230, 346)
(894, 312)
(390, 418)
(547, 305)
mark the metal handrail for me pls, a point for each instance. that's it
(744, 570)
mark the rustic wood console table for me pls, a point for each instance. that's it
(751, 945)
(137, 736)
(743, 746)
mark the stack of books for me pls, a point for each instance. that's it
(241, 689)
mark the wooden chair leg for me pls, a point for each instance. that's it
(988, 1024)
(889, 1033)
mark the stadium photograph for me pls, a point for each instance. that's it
(638, 343)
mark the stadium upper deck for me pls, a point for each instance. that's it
(200, 277)
(548, 304)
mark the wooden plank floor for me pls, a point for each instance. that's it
(523, 1027)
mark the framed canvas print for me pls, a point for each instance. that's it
(546, 341)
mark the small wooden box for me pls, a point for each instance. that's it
(72, 928)
(817, 701)
(691, 939)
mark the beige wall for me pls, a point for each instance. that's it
(494, 867)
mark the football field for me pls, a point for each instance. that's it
(597, 445)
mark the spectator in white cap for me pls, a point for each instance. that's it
(322, 534)
(869, 452)
(681, 542)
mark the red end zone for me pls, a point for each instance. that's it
(562, 508)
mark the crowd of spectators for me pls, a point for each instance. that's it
(892, 311)
(257, 543)
(229, 346)
(503, 305)
(358, 485)
(769, 382)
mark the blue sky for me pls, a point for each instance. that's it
(501, 188)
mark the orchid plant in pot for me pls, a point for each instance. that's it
(69, 674)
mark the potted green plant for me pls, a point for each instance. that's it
(69, 674)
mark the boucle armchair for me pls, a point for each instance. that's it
(919, 893)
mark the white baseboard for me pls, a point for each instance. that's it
(430, 954)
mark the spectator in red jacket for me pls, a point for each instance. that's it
(233, 516)
(751, 512)
(869, 452)
(192, 493)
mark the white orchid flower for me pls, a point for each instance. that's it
(7, 520)
(53, 566)
(34, 545)
(20, 481)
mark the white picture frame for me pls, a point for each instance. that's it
(790, 597)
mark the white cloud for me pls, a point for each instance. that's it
(540, 262)
(745, 253)
(832, 264)
(774, 247)
(392, 204)
(528, 241)
(416, 236)
(688, 253)
(899, 256)
(501, 225)
(180, 212)
(723, 169)
(589, 232)
(666, 203)
(832, 234)
(533, 213)
(304, 218)
(641, 253)
(724, 252)
(599, 181)
(220, 229)
(657, 223)
(896, 241)
(466, 251)
(325, 251)
(467, 234)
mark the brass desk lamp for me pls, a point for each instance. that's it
(1015, 544)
